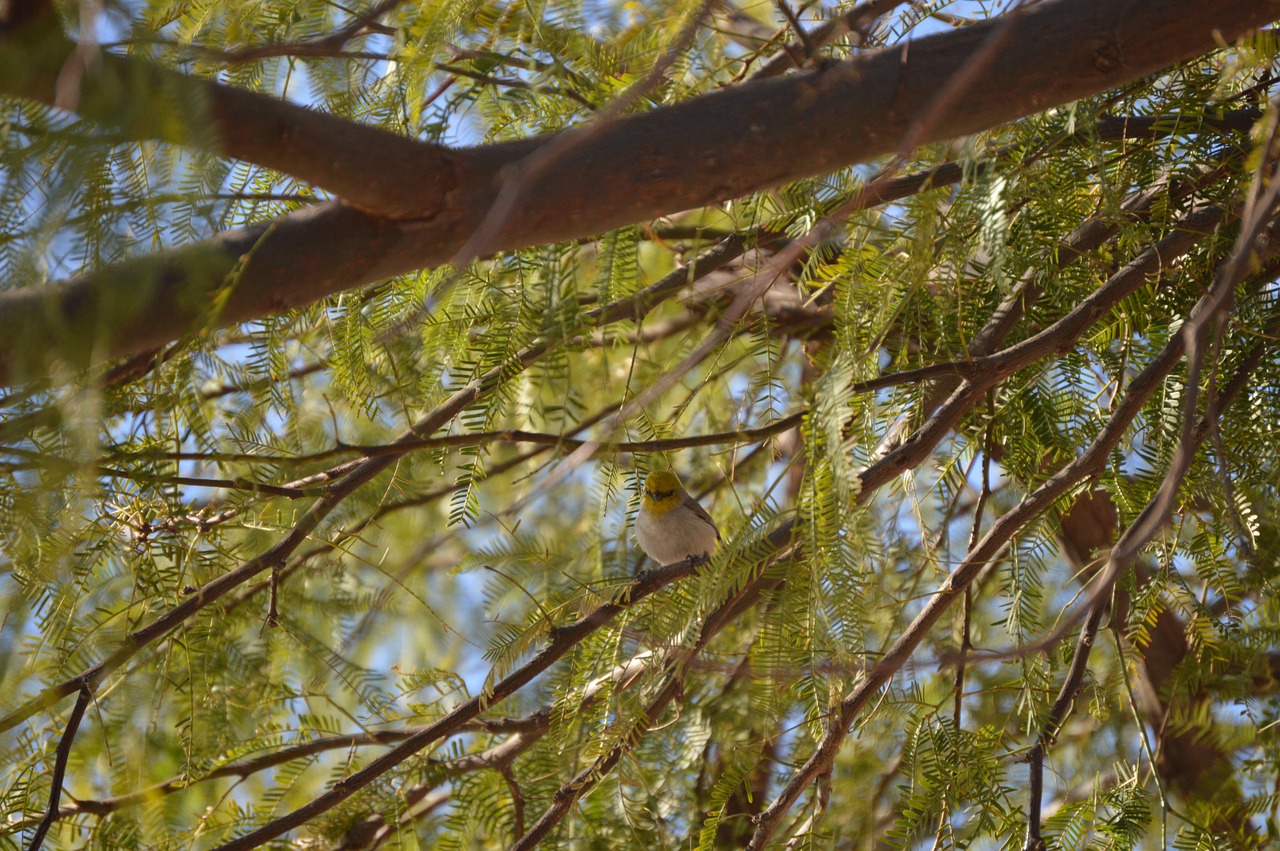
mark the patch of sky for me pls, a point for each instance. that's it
(467, 587)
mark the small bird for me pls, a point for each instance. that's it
(671, 526)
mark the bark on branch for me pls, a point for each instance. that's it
(419, 204)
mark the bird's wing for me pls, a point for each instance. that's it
(702, 514)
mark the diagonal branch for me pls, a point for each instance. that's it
(633, 168)
(1087, 464)
(529, 727)
(1071, 685)
(1057, 338)
(348, 478)
(671, 690)
(562, 640)
(60, 767)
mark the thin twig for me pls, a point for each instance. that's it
(966, 613)
(60, 767)
(375, 830)
(1071, 686)
(330, 45)
(856, 22)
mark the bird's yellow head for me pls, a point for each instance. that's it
(662, 491)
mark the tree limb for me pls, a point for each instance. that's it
(430, 200)
(998, 536)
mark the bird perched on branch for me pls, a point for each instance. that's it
(671, 526)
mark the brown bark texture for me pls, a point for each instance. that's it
(408, 205)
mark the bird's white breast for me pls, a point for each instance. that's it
(674, 536)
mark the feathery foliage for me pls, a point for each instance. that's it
(668, 715)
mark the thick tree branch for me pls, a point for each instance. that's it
(631, 169)
(142, 100)
(784, 319)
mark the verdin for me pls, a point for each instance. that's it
(671, 526)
